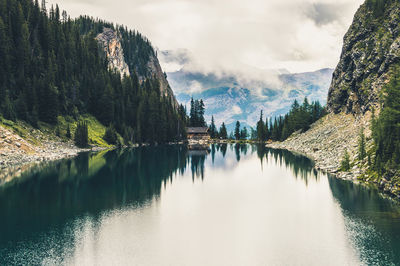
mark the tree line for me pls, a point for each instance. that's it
(300, 117)
(51, 65)
(385, 152)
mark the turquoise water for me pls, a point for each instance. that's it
(231, 205)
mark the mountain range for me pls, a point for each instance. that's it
(229, 97)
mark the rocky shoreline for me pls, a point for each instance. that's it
(18, 154)
(326, 142)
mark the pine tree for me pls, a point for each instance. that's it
(213, 129)
(237, 130)
(244, 134)
(81, 135)
(111, 135)
(261, 134)
(68, 134)
(361, 145)
(345, 163)
(223, 134)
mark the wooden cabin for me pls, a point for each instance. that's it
(198, 134)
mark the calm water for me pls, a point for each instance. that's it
(235, 205)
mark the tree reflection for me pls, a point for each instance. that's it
(300, 165)
(89, 183)
(237, 151)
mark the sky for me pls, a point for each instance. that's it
(234, 35)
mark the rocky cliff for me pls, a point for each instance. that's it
(110, 41)
(371, 47)
(154, 69)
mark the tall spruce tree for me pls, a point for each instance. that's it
(237, 130)
(223, 134)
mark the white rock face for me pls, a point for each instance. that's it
(111, 43)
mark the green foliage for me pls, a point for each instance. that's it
(237, 130)
(361, 145)
(81, 135)
(197, 113)
(345, 163)
(212, 129)
(386, 129)
(223, 134)
(111, 135)
(261, 128)
(68, 133)
(377, 6)
(244, 134)
(300, 117)
(52, 66)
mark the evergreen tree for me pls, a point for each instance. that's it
(244, 134)
(237, 130)
(261, 134)
(111, 135)
(345, 163)
(361, 145)
(52, 65)
(300, 117)
(223, 134)
(81, 135)
(213, 129)
(68, 134)
(386, 128)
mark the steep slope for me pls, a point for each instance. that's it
(129, 52)
(370, 57)
(371, 47)
(110, 41)
(54, 68)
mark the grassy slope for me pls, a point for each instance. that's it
(25, 131)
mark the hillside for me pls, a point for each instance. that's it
(55, 66)
(364, 95)
(371, 48)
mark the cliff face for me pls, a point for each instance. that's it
(155, 70)
(371, 47)
(111, 43)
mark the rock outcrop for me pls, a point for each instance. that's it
(371, 50)
(371, 47)
(111, 43)
(155, 70)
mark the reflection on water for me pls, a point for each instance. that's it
(129, 206)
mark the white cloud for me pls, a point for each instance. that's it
(236, 110)
(232, 35)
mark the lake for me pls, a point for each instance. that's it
(167, 205)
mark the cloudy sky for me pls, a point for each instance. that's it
(234, 35)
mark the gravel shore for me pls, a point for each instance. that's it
(327, 140)
(17, 154)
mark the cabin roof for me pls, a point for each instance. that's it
(197, 130)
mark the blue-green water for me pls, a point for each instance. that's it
(232, 205)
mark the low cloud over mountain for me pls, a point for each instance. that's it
(235, 96)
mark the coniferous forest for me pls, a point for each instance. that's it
(386, 129)
(51, 66)
(300, 117)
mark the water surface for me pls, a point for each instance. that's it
(231, 205)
